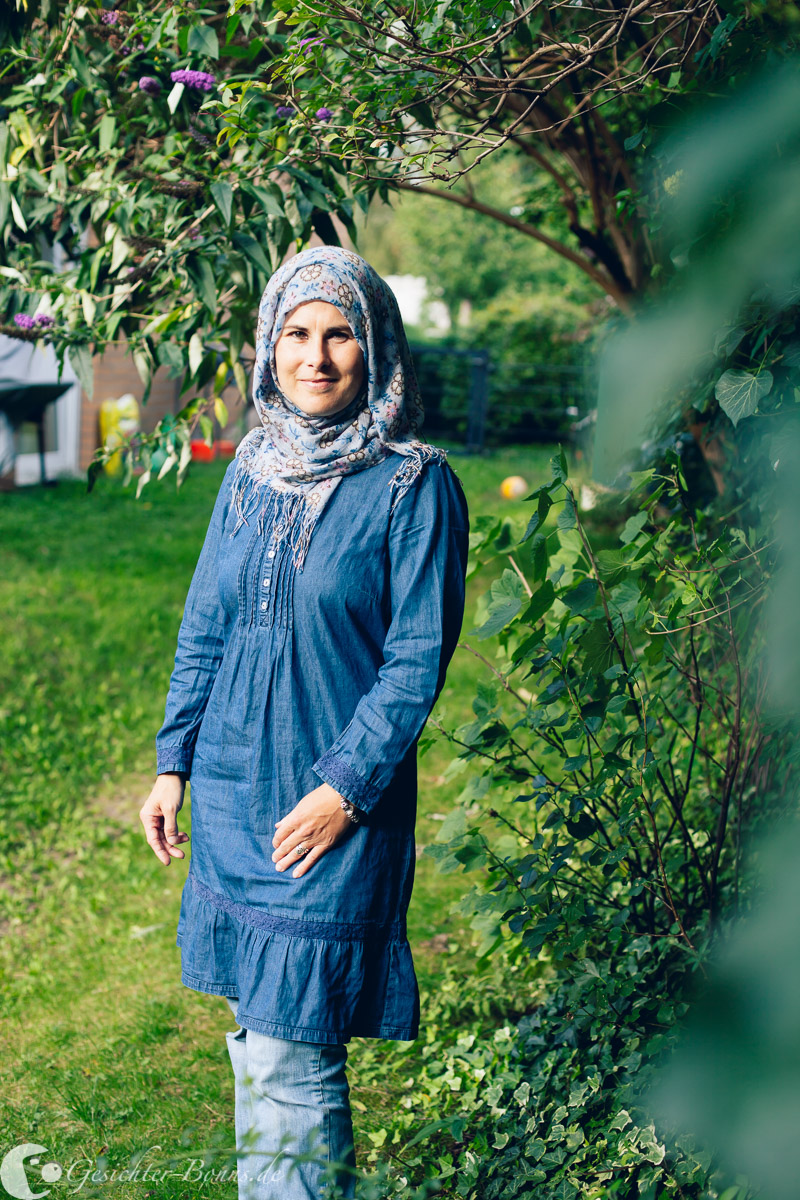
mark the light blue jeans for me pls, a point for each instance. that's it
(293, 1117)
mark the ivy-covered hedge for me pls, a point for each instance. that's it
(617, 761)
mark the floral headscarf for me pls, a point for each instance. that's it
(302, 458)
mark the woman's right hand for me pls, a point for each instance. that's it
(159, 815)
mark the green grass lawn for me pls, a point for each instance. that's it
(104, 1052)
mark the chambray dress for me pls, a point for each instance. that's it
(284, 678)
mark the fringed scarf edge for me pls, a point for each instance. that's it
(294, 518)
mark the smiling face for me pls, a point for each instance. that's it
(318, 361)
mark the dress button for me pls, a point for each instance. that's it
(263, 605)
(266, 583)
(271, 554)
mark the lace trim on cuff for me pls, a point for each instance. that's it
(346, 781)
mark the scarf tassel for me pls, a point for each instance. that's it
(293, 518)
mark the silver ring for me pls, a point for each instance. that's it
(301, 849)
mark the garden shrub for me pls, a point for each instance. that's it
(618, 759)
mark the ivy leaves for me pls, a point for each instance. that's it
(739, 392)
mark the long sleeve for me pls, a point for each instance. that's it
(428, 542)
(199, 651)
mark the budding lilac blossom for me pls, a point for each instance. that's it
(150, 85)
(284, 110)
(44, 321)
(323, 114)
(109, 18)
(194, 79)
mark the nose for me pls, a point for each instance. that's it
(317, 351)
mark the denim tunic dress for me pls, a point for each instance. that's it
(284, 678)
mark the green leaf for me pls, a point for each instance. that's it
(200, 271)
(81, 363)
(173, 99)
(541, 602)
(241, 378)
(598, 649)
(581, 828)
(253, 250)
(581, 598)
(506, 602)
(269, 195)
(567, 517)
(539, 556)
(739, 392)
(144, 479)
(633, 526)
(108, 129)
(143, 365)
(171, 356)
(542, 509)
(16, 213)
(558, 465)
(195, 353)
(222, 195)
(203, 40)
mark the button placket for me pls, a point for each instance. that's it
(266, 585)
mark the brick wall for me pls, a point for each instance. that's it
(115, 374)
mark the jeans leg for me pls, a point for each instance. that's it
(290, 1096)
(244, 1118)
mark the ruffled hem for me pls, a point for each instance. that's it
(311, 981)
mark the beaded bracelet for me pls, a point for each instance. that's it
(351, 811)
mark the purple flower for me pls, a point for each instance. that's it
(284, 111)
(23, 321)
(109, 18)
(307, 44)
(150, 85)
(323, 114)
(194, 79)
(200, 137)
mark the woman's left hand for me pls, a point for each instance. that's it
(317, 821)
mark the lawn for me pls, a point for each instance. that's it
(104, 1052)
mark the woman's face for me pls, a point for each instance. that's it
(318, 360)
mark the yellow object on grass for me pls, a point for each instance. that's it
(513, 487)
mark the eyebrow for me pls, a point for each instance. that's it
(330, 329)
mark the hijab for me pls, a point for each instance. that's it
(294, 462)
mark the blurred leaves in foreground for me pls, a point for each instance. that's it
(724, 345)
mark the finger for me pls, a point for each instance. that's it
(293, 838)
(154, 833)
(281, 834)
(171, 832)
(308, 860)
(289, 857)
(155, 841)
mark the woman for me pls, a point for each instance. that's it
(321, 617)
